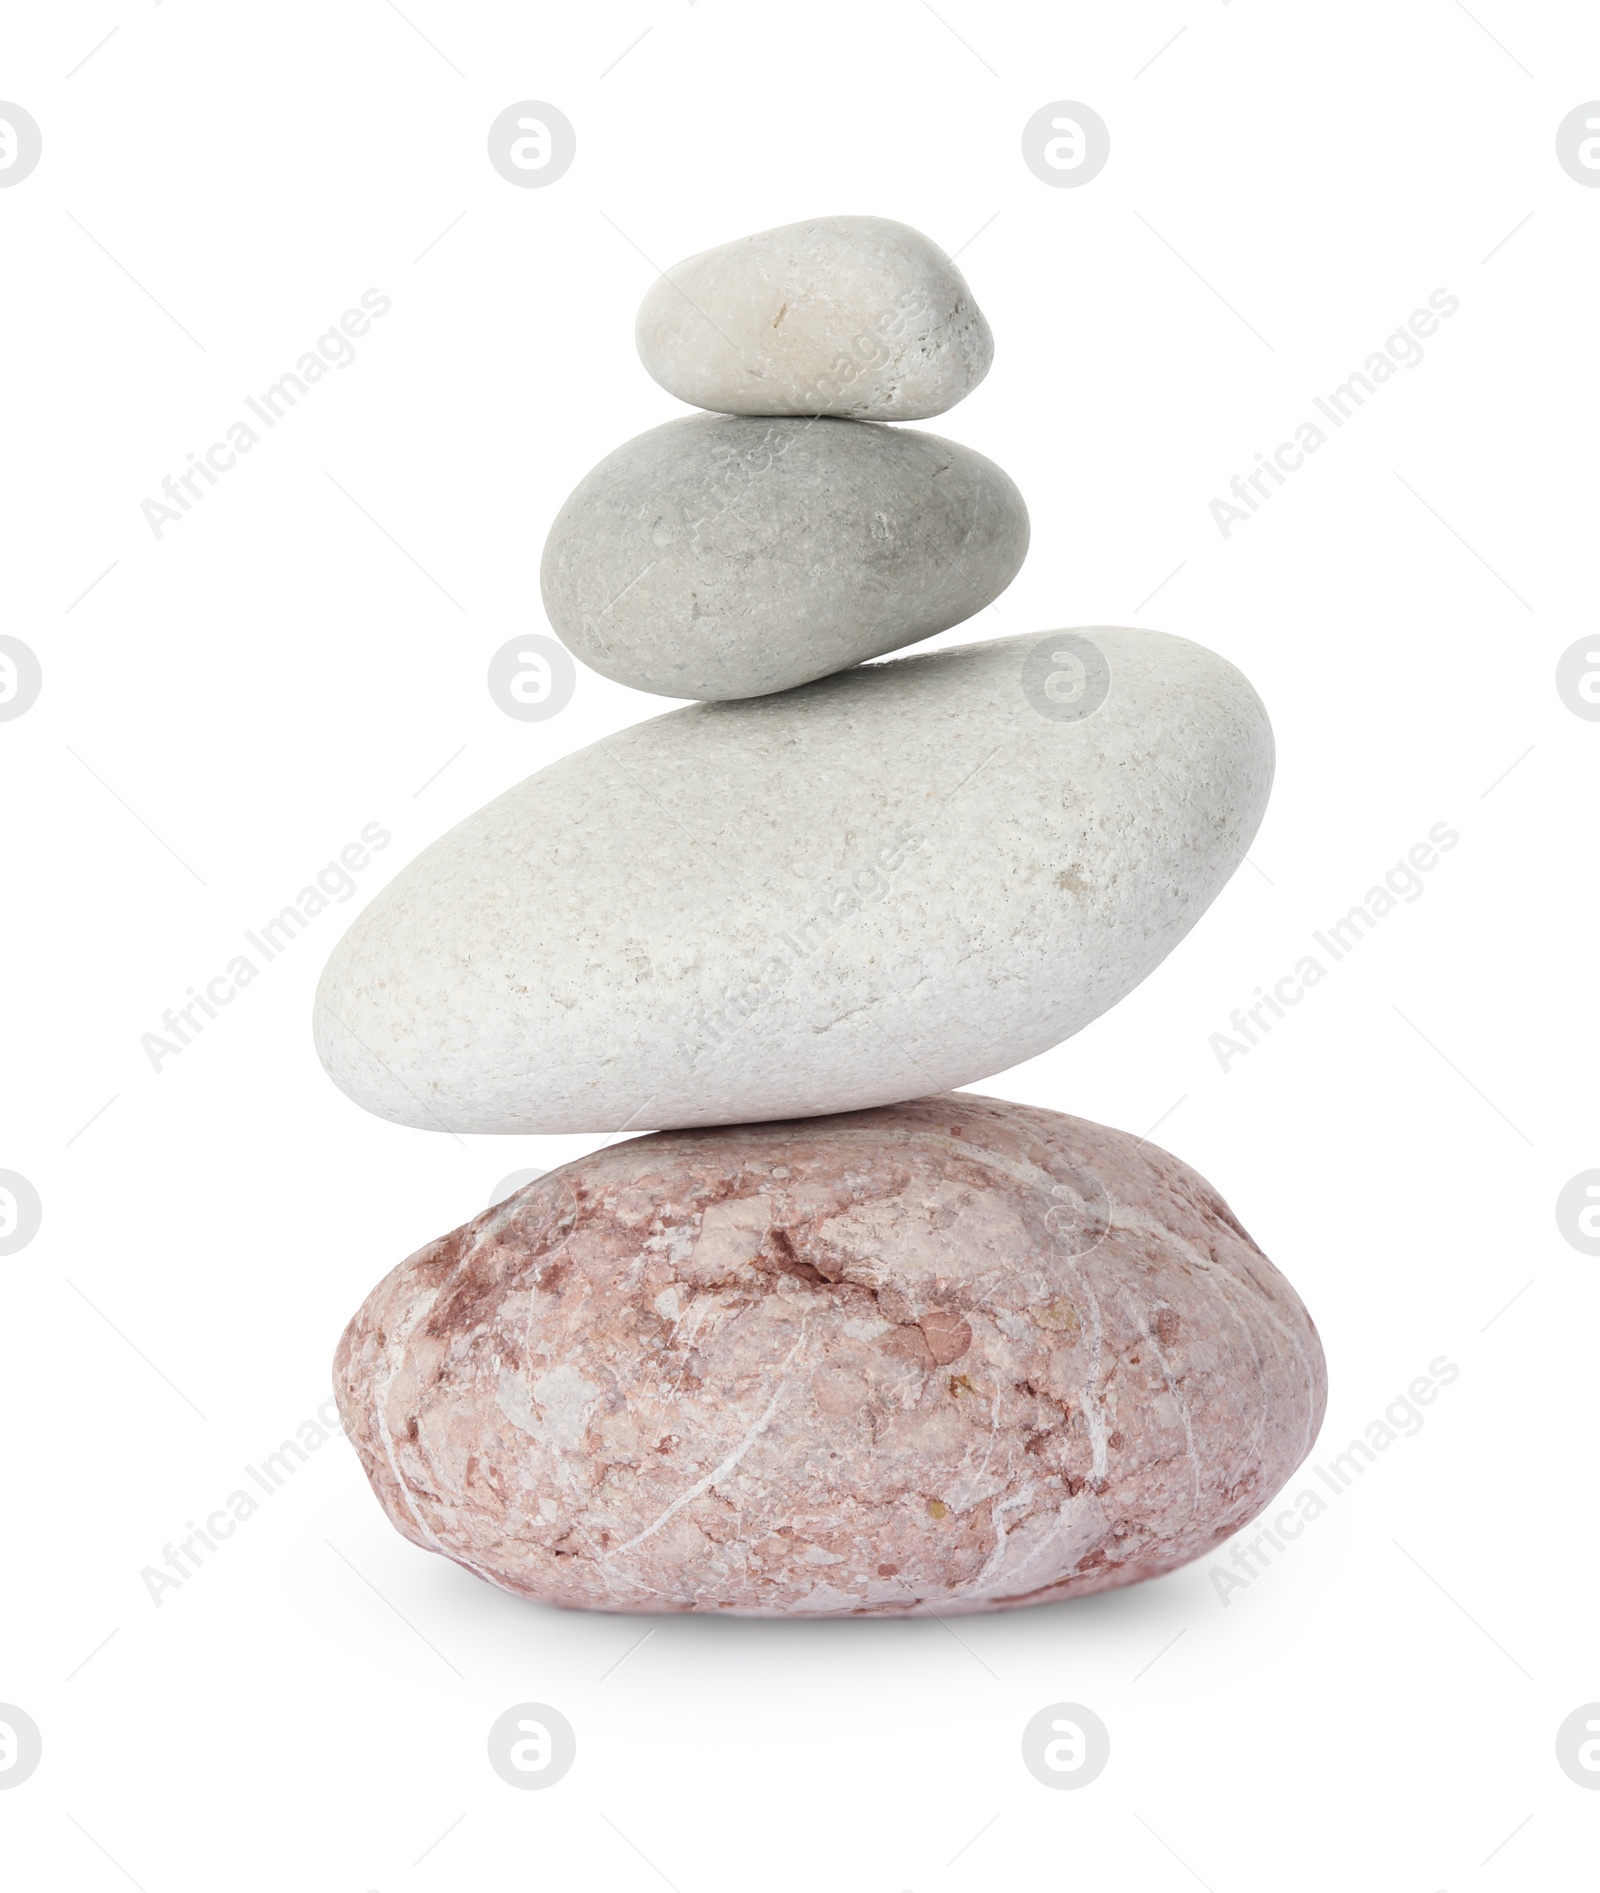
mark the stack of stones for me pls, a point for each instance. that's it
(833, 1340)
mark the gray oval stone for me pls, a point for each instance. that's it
(897, 880)
(853, 316)
(721, 557)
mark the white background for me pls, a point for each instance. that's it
(1286, 185)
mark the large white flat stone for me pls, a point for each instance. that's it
(897, 880)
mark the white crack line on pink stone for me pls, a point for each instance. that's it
(1068, 1516)
(970, 1490)
(1233, 1287)
(419, 1310)
(1094, 1414)
(1137, 1317)
(1093, 1403)
(394, 1356)
(981, 1584)
(1210, 1266)
(1227, 1284)
(1034, 1178)
(403, 1487)
(500, 1217)
(695, 1316)
(702, 1486)
(1258, 1431)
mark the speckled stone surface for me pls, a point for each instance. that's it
(895, 881)
(717, 557)
(855, 316)
(956, 1354)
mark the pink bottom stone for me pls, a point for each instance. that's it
(955, 1355)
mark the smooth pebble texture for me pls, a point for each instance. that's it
(897, 880)
(957, 1355)
(855, 316)
(716, 557)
